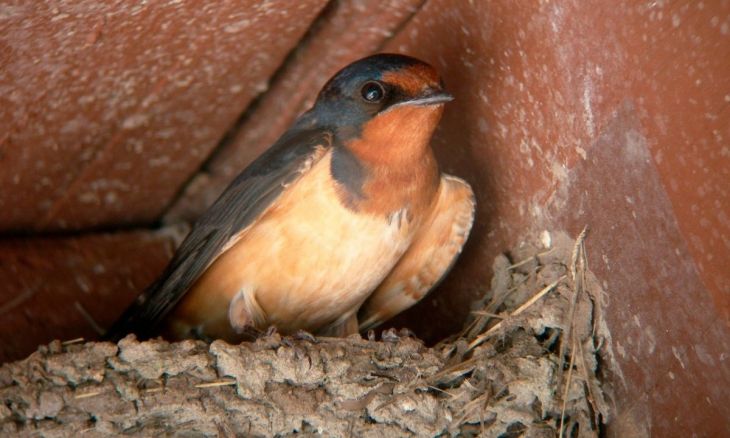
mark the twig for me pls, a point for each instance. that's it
(481, 338)
(225, 382)
(18, 300)
(498, 301)
(151, 390)
(589, 382)
(577, 257)
(452, 396)
(529, 259)
(489, 314)
(459, 369)
(469, 408)
(464, 333)
(87, 395)
(567, 389)
(72, 341)
(484, 409)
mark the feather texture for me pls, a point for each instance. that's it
(251, 193)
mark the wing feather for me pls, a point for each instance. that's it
(430, 257)
(250, 194)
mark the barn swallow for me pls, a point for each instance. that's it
(341, 224)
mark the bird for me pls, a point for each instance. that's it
(344, 222)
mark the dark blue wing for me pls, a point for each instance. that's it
(240, 204)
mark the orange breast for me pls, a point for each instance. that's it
(308, 261)
(395, 149)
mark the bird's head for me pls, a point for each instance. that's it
(388, 94)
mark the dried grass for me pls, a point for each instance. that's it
(541, 301)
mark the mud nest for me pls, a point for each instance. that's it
(524, 365)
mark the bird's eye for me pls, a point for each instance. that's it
(372, 92)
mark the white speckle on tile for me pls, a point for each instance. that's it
(237, 26)
(159, 161)
(658, 157)
(704, 356)
(83, 283)
(651, 339)
(587, 92)
(135, 121)
(110, 197)
(87, 198)
(678, 356)
(483, 126)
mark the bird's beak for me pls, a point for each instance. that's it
(431, 97)
(428, 98)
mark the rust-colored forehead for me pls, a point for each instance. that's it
(413, 78)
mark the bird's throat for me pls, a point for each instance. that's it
(391, 164)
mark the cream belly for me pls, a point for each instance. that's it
(308, 262)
